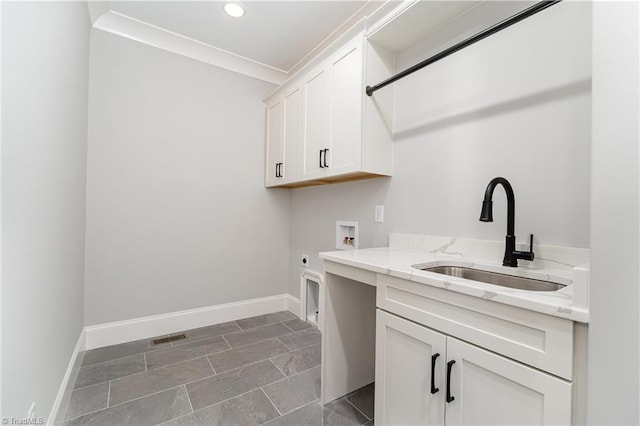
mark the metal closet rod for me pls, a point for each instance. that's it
(540, 6)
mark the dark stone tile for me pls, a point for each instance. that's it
(297, 324)
(256, 334)
(209, 332)
(185, 352)
(298, 361)
(363, 399)
(309, 415)
(340, 412)
(261, 320)
(88, 400)
(250, 409)
(151, 410)
(236, 358)
(301, 339)
(109, 370)
(137, 385)
(295, 391)
(231, 384)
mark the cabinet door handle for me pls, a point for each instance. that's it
(321, 151)
(434, 389)
(280, 169)
(325, 157)
(277, 168)
(449, 367)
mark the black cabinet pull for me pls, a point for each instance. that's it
(325, 157)
(449, 367)
(321, 151)
(277, 170)
(280, 169)
(434, 389)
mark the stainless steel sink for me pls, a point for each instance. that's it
(495, 278)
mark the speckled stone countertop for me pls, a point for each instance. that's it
(407, 253)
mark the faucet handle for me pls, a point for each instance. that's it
(525, 255)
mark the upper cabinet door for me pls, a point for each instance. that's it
(345, 109)
(292, 133)
(323, 123)
(316, 135)
(489, 389)
(275, 141)
(410, 373)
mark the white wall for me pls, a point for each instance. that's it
(177, 213)
(614, 331)
(518, 105)
(45, 54)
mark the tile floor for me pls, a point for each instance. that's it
(254, 371)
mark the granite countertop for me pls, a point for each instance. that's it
(570, 302)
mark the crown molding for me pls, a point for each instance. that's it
(143, 32)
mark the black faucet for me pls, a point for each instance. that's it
(511, 255)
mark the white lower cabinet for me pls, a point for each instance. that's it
(424, 377)
(405, 356)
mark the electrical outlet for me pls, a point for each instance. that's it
(32, 411)
(305, 260)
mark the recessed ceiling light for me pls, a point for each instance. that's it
(235, 10)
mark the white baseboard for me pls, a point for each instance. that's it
(293, 305)
(64, 394)
(157, 325)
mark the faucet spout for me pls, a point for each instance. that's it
(511, 255)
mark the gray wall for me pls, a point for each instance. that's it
(508, 106)
(613, 329)
(45, 48)
(177, 213)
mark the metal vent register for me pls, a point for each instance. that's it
(168, 339)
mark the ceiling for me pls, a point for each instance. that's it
(278, 34)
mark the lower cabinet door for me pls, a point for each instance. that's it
(488, 389)
(410, 373)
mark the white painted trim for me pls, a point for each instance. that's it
(97, 9)
(157, 325)
(293, 304)
(0, 204)
(319, 278)
(143, 32)
(337, 36)
(63, 397)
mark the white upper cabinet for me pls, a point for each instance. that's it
(284, 133)
(345, 110)
(316, 132)
(275, 142)
(325, 142)
(290, 170)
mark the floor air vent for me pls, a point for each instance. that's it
(168, 339)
